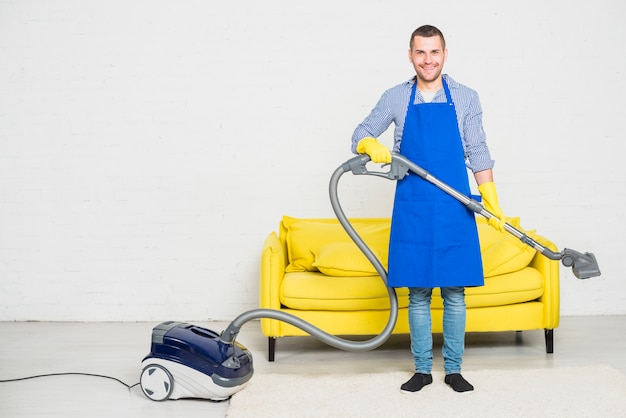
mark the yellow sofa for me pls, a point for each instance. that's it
(313, 270)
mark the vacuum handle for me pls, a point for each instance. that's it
(584, 265)
(474, 205)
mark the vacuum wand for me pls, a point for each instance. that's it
(584, 265)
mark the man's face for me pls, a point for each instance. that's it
(427, 56)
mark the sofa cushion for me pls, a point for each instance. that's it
(502, 252)
(346, 259)
(519, 286)
(316, 291)
(304, 238)
(323, 245)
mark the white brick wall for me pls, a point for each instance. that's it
(147, 148)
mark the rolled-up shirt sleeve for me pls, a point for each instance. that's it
(377, 122)
(477, 153)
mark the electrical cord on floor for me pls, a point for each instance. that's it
(129, 387)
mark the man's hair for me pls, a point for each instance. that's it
(427, 31)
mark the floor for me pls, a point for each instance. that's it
(116, 350)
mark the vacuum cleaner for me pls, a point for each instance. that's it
(187, 361)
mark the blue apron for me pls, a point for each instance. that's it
(434, 238)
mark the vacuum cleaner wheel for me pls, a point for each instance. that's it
(157, 382)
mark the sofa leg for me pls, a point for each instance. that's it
(271, 348)
(549, 341)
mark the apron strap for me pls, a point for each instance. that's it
(447, 90)
(413, 90)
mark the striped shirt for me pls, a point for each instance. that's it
(392, 107)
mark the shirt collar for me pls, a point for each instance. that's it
(451, 83)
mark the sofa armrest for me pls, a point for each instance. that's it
(273, 263)
(272, 272)
(550, 270)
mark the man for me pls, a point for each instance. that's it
(434, 238)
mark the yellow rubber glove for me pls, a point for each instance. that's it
(490, 202)
(378, 152)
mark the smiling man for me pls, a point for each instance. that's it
(427, 54)
(434, 239)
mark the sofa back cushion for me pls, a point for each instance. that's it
(306, 238)
(323, 245)
(345, 259)
(502, 252)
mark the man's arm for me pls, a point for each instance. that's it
(377, 122)
(483, 176)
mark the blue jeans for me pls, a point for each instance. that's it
(420, 325)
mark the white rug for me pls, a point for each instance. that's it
(598, 391)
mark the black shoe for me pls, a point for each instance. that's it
(417, 382)
(458, 383)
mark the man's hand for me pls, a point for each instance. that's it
(490, 202)
(378, 152)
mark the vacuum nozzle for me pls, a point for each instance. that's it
(583, 266)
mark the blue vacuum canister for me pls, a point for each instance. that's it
(187, 361)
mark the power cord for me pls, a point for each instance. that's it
(129, 387)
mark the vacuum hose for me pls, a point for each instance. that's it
(230, 333)
(584, 265)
